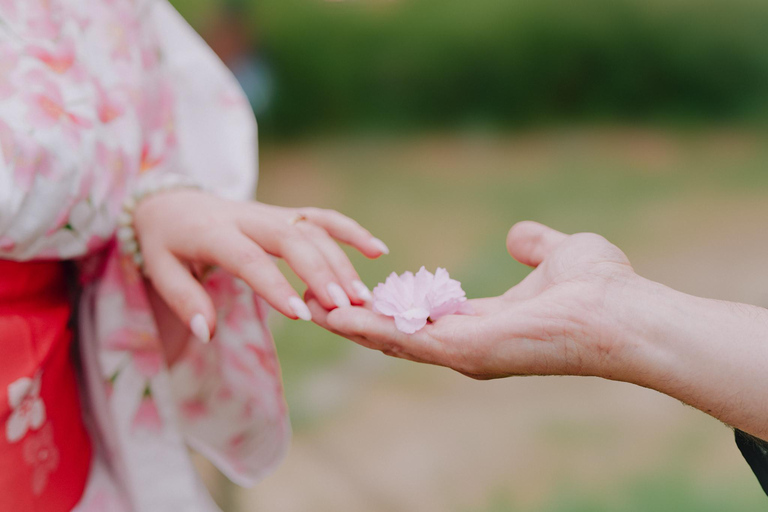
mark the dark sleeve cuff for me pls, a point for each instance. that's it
(755, 451)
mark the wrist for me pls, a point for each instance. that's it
(646, 320)
(706, 353)
(127, 230)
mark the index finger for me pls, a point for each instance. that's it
(378, 332)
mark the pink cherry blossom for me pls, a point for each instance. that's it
(413, 300)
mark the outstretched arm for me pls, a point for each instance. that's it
(584, 311)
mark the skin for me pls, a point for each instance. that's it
(584, 311)
(183, 232)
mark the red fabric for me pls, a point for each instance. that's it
(46, 467)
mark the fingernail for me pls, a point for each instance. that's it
(300, 308)
(362, 291)
(338, 296)
(199, 328)
(381, 246)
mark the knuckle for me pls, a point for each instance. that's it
(209, 239)
(248, 255)
(293, 235)
(589, 238)
(309, 229)
(309, 262)
(311, 211)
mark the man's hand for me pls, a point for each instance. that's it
(584, 311)
(555, 322)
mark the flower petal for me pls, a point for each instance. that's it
(410, 325)
(18, 390)
(37, 414)
(16, 427)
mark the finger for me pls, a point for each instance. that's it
(346, 230)
(182, 293)
(320, 317)
(379, 332)
(241, 257)
(290, 242)
(306, 260)
(338, 261)
(319, 313)
(530, 242)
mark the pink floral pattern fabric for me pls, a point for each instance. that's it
(96, 97)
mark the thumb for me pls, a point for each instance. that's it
(530, 242)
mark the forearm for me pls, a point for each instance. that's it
(712, 355)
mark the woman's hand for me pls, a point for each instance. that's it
(186, 229)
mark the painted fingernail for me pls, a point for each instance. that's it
(361, 290)
(300, 308)
(199, 328)
(338, 296)
(381, 246)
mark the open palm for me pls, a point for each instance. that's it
(554, 322)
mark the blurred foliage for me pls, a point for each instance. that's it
(379, 64)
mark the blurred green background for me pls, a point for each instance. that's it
(438, 124)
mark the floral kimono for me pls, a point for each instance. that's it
(97, 99)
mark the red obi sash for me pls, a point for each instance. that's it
(45, 451)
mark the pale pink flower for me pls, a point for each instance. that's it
(446, 296)
(27, 408)
(413, 300)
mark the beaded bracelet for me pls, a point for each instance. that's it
(126, 232)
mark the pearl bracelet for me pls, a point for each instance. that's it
(126, 232)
